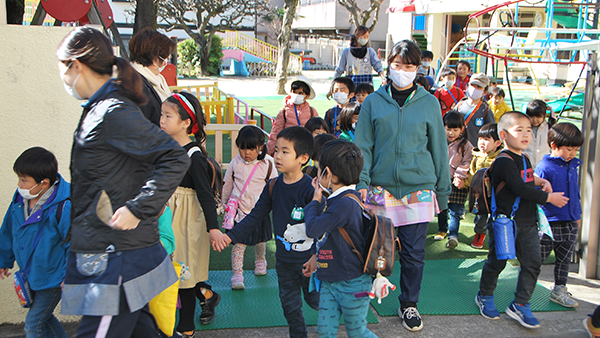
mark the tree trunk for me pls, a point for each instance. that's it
(145, 15)
(14, 11)
(203, 45)
(283, 58)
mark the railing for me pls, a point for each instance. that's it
(262, 119)
(217, 130)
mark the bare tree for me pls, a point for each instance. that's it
(145, 15)
(206, 17)
(283, 58)
(360, 17)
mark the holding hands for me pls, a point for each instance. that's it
(219, 240)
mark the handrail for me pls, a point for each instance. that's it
(262, 119)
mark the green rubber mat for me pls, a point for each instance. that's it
(449, 287)
(256, 306)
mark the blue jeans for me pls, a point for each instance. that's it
(412, 261)
(40, 321)
(338, 298)
(455, 210)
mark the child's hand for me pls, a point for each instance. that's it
(4, 273)
(459, 182)
(318, 196)
(123, 219)
(363, 194)
(557, 199)
(310, 266)
(220, 241)
(546, 186)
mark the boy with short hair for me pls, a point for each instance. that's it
(362, 91)
(449, 95)
(463, 70)
(34, 234)
(515, 171)
(560, 169)
(342, 89)
(474, 109)
(426, 69)
(488, 148)
(497, 103)
(286, 196)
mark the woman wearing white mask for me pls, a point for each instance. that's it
(150, 51)
(295, 111)
(475, 110)
(359, 60)
(406, 173)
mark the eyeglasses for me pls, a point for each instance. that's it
(163, 59)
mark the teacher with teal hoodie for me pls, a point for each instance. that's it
(406, 173)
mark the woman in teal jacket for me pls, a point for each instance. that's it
(406, 174)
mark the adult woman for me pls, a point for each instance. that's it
(121, 161)
(149, 51)
(406, 166)
(359, 59)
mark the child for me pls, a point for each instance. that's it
(287, 196)
(320, 140)
(362, 91)
(423, 82)
(40, 210)
(497, 103)
(254, 165)
(295, 112)
(514, 130)
(449, 95)
(343, 90)
(348, 118)
(539, 146)
(460, 154)
(426, 69)
(476, 111)
(560, 169)
(339, 269)
(488, 147)
(194, 210)
(316, 126)
(463, 68)
(493, 84)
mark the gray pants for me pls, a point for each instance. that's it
(527, 244)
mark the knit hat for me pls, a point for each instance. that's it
(306, 81)
(480, 79)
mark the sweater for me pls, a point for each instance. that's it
(483, 115)
(287, 118)
(564, 178)
(449, 98)
(460, 161)
(481, 160)
(352, 66)
(404, 149)
(511, 173)
(539, 144)
(286, 200)
(335, 259)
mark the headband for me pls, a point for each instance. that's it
(190, 110)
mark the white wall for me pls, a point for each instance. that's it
(400, 26)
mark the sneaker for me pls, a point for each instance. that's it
(183, 335)
(452, 242)
(594, 332)
(439, 236)
(478, 241)
(260, 267)
(237, 282)
(411, 319)
(561, 296)
(208, 308)
(523, 315)
(487, 308)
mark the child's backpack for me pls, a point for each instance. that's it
(480, 198)
(216, 177)
(381, 242)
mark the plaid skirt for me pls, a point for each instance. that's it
(458, 196)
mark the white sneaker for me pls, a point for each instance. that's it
(562, 296)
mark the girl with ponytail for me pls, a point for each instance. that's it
(194, 210)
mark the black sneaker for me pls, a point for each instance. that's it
(411, 319)
(208, 308)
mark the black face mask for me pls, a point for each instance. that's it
(358, 52)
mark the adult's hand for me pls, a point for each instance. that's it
(123, 219)
(363, 194)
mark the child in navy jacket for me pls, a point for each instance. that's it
(339, 271)
(560, 169)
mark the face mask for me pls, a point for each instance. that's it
(449, 84)
(326, 191)
(26, 195)
(71, 89)
(160, 69)
(426, 64)
(401, 78)
(297, 98)
(474, 93)
(354, 125)
(340, 98)
(362, 42)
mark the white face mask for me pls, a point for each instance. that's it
(354, 125)
(71, 89)
(340, 98)
(401, 78)
(426, 64)
(297, 98)
(25, 193)
(449, 84)
(474, 93)
(362, 42)
(160, 69)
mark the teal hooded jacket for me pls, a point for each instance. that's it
(404, 149)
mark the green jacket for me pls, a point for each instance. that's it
(404, 149)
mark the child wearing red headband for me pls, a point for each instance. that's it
(194, 224)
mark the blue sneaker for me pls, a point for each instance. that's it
(487, 308)
(523, 315)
